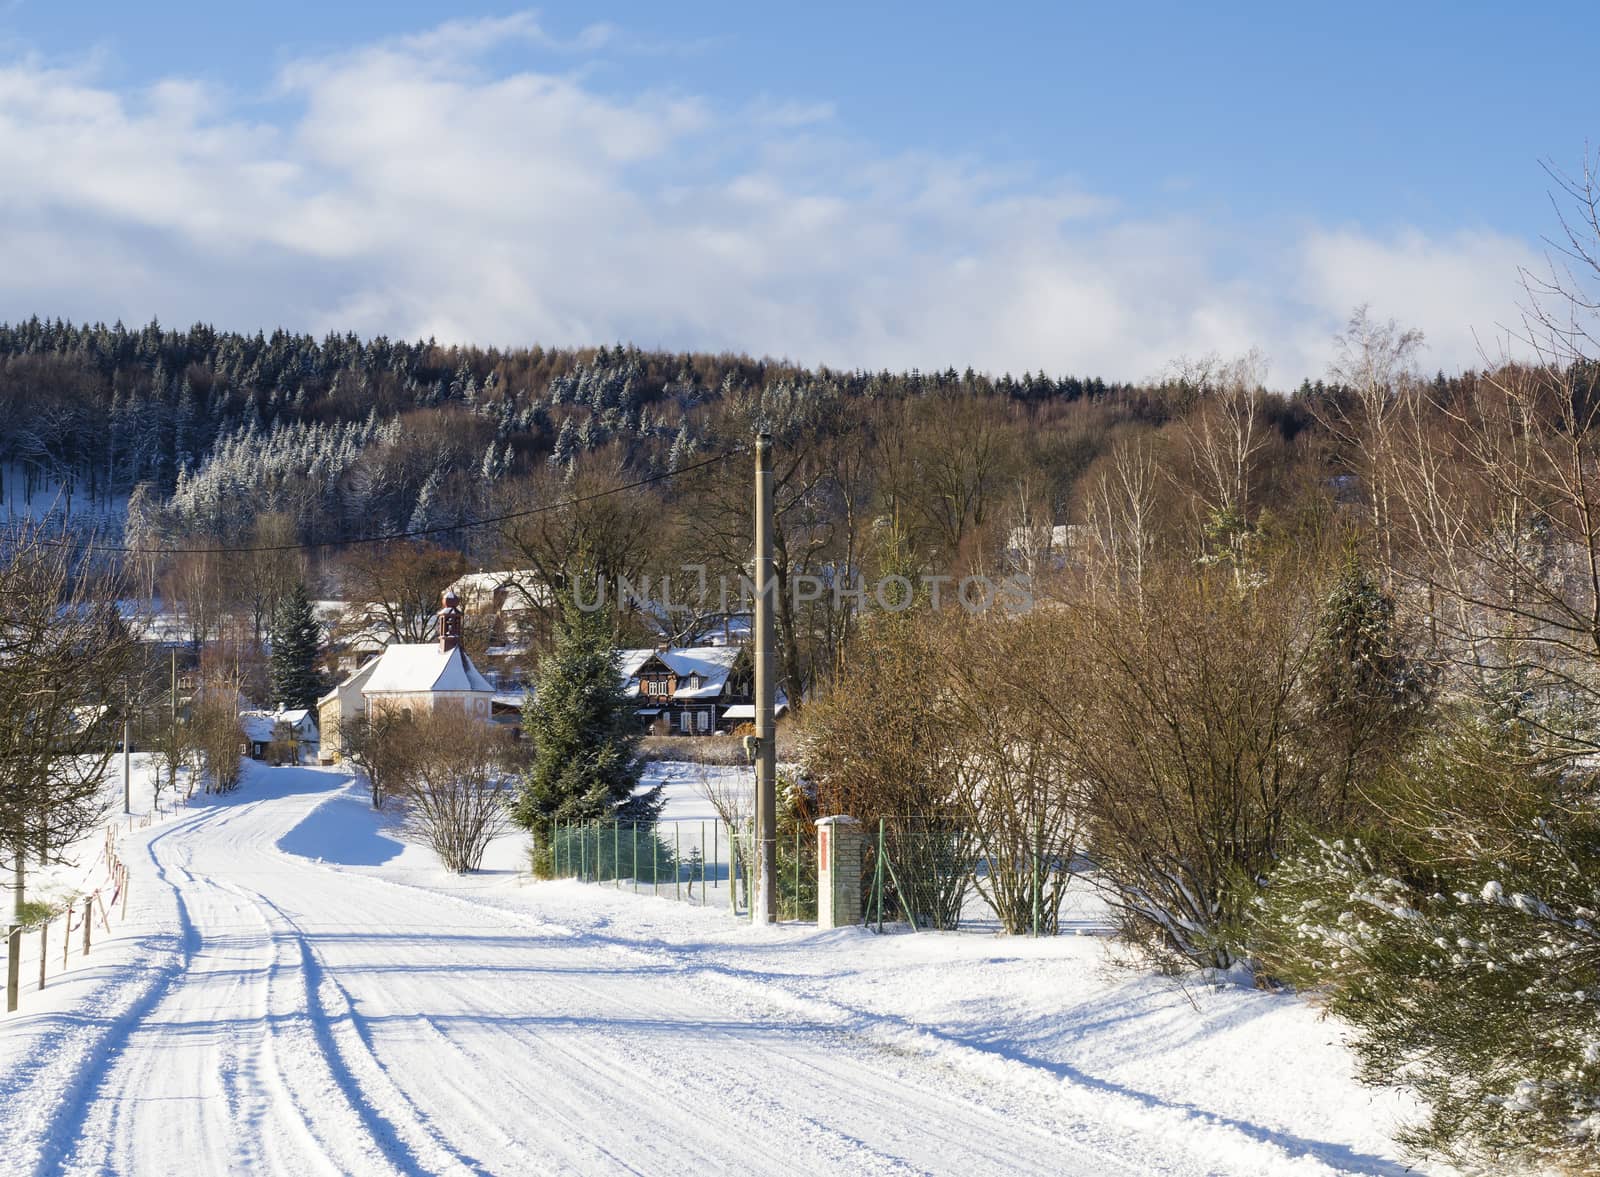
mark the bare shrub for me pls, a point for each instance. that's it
(1196, 746)
(454, 778)
(1023, 796)
(374, 743)
(65, 654)
(730, 795)
(693, 749)
(216, 737)
(881, 747)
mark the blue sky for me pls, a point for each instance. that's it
(1083, 188)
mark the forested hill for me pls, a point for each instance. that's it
(372, 434)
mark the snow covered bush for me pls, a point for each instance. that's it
(1460, 936)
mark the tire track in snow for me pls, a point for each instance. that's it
(410, 1142)
(69, 1110)
(1111, 1118)
(827, 1144)
(204, 1035)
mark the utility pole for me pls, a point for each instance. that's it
(173, 731)
(765, 908)
(127, 759)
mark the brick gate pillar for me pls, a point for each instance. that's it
(838, 872)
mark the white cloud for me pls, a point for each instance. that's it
(1461, 290)
(416, 188)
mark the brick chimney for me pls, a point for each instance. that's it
(450, 623)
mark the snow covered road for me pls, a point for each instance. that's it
(283, 1014)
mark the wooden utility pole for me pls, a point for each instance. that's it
(765, 908)
(127, 760)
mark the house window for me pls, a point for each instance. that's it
(703, 720)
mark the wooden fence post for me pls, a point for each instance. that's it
(44, 949)
(13, 967)
(88, 921)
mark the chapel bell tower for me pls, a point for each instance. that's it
(450, 622)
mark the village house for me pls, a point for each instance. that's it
(408, 678)
(509, 610)
(285, 736)
(690, 691)
(351, 641)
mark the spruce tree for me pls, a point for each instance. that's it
(1366, 690)
(296, 636)
(581, 723)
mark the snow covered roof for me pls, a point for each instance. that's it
(257, 726)
(711, 663)
(748, 710)
(158, 625)
(357, 678)
(262, 726)
(522, 585)
(418, 669)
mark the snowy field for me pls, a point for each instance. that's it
(297, 989)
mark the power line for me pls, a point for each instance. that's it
(415, 533)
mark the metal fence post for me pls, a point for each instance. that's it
(44, 949)
(616, 854)
(716, 850)
(635, 871)
(1036, 892)
(583, 857)
(877, 877)
(702, 864)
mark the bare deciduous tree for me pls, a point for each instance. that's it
(64, 653)
(1122, 513)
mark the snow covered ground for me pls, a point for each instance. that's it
(298, 989)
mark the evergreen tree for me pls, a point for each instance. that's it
(584, 734)
(296, 636)
(1364, 688)
(566, 447)
(423, 515)
(1457, 936)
